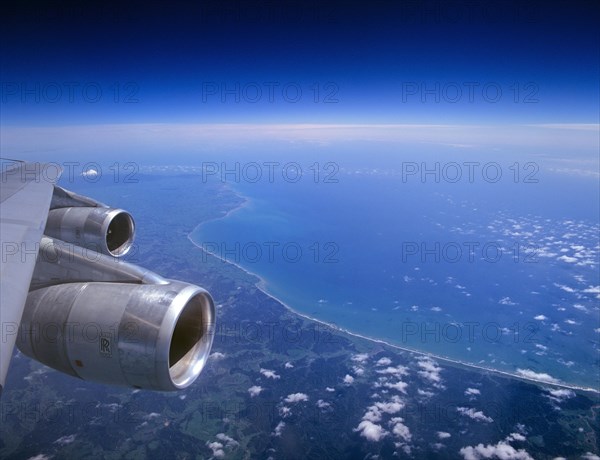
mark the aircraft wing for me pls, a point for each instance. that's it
(25, 194)
(62, 267)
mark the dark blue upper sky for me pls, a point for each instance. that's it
(375, 62)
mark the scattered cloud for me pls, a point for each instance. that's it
(502, 450)
(229, 441)
(296, 397)
(559, 394)
(398, 386)
(430, 370)
(473, 414)
(384, 362)
(472, 392)
(397, 371)
(217, 449)
(323, 404)
(539, 376)
(64, 440)
(279, 429)
(360, 358)
(255, 390)
(371, 431)
(399, 429)
(269, 374)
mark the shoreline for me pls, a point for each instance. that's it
(262, 284)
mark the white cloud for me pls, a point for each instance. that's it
(475, 415)
(373, 414)
(64, 440)
(398, 371)
(229, 441)
(567, 259)
(502, 450)
(592, 290)
(348, 379)
(430, 370)
(516, 437)
(539, 376)
(217, 356)
(425, 393)
(384, 362)
(371, 431)
(217, 449)
(437, 309)
(112, 137)
(329, 389)
(559, 394)
(472, 392)
(289, 365)
(399, 429)
(506, 301)
(540, 318)
(358, 370)
(590, 456)
(323, 404)
(398, 386)
(443, 435)
(269, 374)
(360, 358)
(564, 287)
(255, 390)
(278, 429)
(391, 407)
(296, 397)
(90, 173)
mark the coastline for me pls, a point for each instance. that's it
(262, 285)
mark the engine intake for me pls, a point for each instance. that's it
(105, 230)
(151, 336)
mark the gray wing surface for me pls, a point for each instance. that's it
(25, 194)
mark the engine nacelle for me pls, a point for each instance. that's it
(151, 336)
(105, 230)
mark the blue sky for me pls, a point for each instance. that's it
(224, 62)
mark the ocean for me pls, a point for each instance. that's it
(491, 265)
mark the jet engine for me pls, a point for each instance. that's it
(144, 336)
(94, 316)
(90, 224)
(106, 230)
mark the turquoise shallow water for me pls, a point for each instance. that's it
(490, 274)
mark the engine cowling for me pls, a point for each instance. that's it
(151, 336)
(105, 230)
